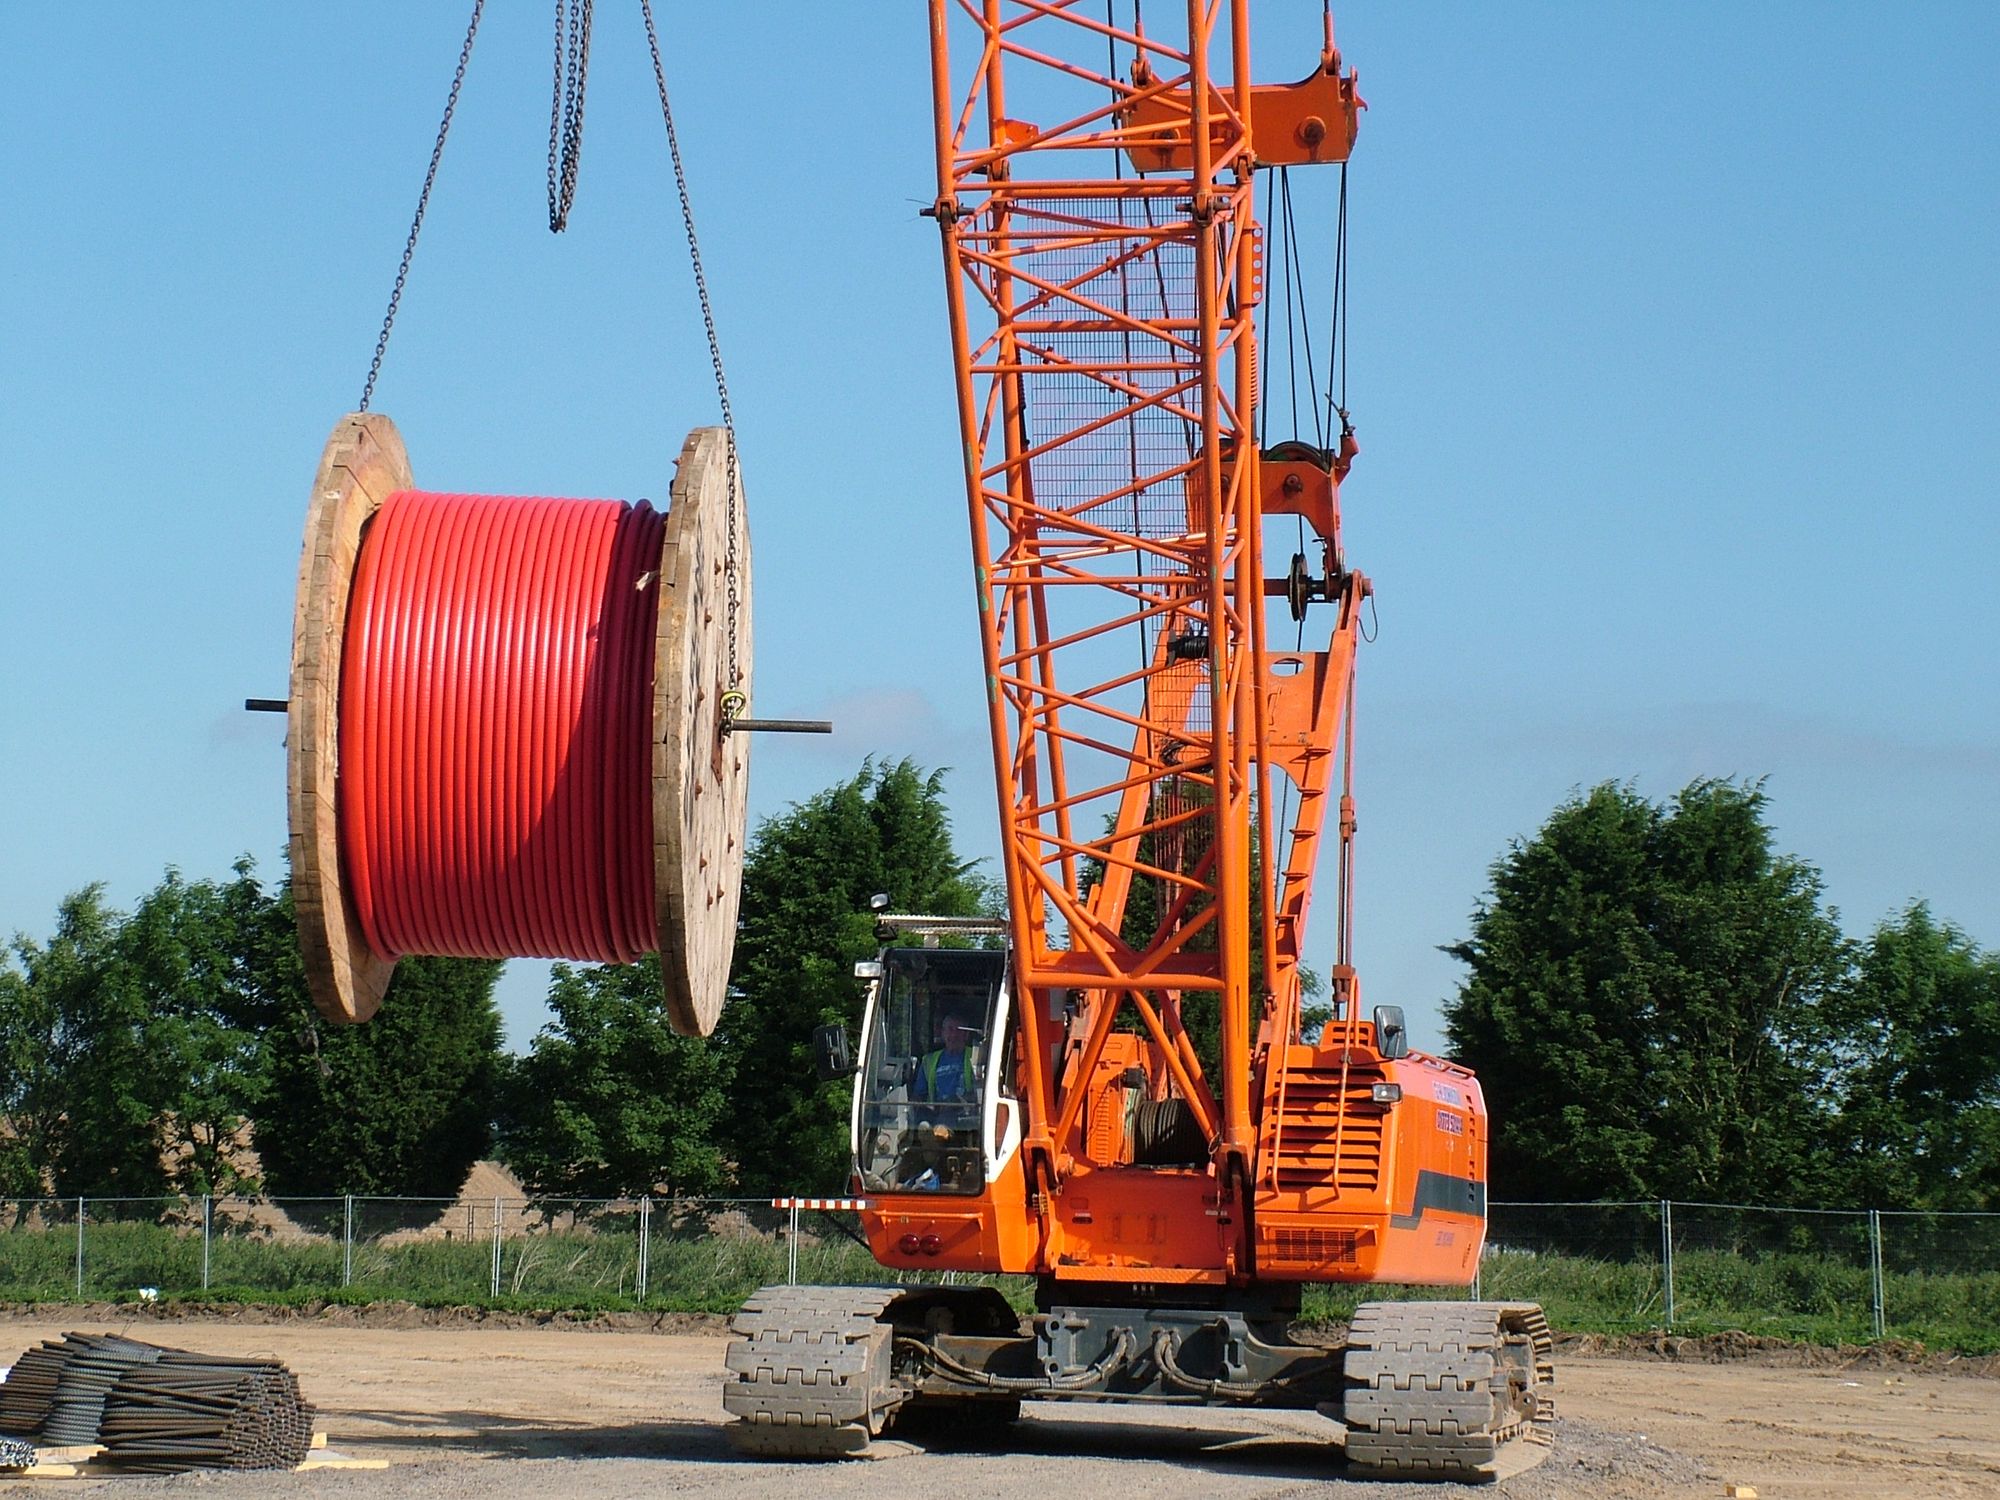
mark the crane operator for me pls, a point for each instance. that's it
(951, 1071)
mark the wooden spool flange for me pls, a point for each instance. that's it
(700, 775)
(364, 464)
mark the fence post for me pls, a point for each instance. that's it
(792, 1258)
(645, 1243)
(1875, 1269)
(347, 1239)
(496, 1248)
(1667, 1257)
(207, 1231)
(79, 1249)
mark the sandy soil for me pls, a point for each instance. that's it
(504, 1411)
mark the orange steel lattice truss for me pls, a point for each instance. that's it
(1103, 277)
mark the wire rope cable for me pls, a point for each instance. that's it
(1295, 284)
(1337, 336)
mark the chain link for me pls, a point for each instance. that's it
(566, 110)
(565, 149)
(731, 565)
(423, 202)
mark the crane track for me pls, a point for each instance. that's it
(1435, 1390)
(1448, 1390)
(812, 1373)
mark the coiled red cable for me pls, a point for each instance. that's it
(496, 703)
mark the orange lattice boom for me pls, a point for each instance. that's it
(1105, 273)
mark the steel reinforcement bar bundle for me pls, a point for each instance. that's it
(156, 1409)
(56, 1391)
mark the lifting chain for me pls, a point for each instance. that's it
(572, 63)
(423, 202)
(734, 698)
(566, 110)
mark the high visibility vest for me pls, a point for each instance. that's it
(931, 1060)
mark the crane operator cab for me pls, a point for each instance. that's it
(930, 1098)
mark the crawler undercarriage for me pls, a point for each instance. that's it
(1417, 1390)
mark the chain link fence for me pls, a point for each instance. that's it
(542, 1252)
(1681, 1267)
(1796, 1273)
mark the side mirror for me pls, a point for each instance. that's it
(833, 1054)
(1392, 1036)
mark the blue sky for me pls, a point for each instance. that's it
(1673, 360)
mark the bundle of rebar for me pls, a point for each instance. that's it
(196, 1411)
(92, 1366)
(154, 1409)
(30, 1387)
(56, 1390)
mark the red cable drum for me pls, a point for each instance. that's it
(507, 730)
(495, 706)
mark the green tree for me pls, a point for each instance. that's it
(807, 878)
(101, 1074)
(400, 1105)
(1644, 1007)
(41, 986)
(184, 969)
(23, 1067)
(137, 1049)
(130, 1044)
(609, 1102)
(1920, 1110)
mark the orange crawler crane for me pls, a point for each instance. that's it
(1116, 1094)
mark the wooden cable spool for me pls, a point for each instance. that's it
(699, 775)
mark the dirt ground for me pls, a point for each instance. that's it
(518, 1410)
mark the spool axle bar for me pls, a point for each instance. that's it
(777, 726)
